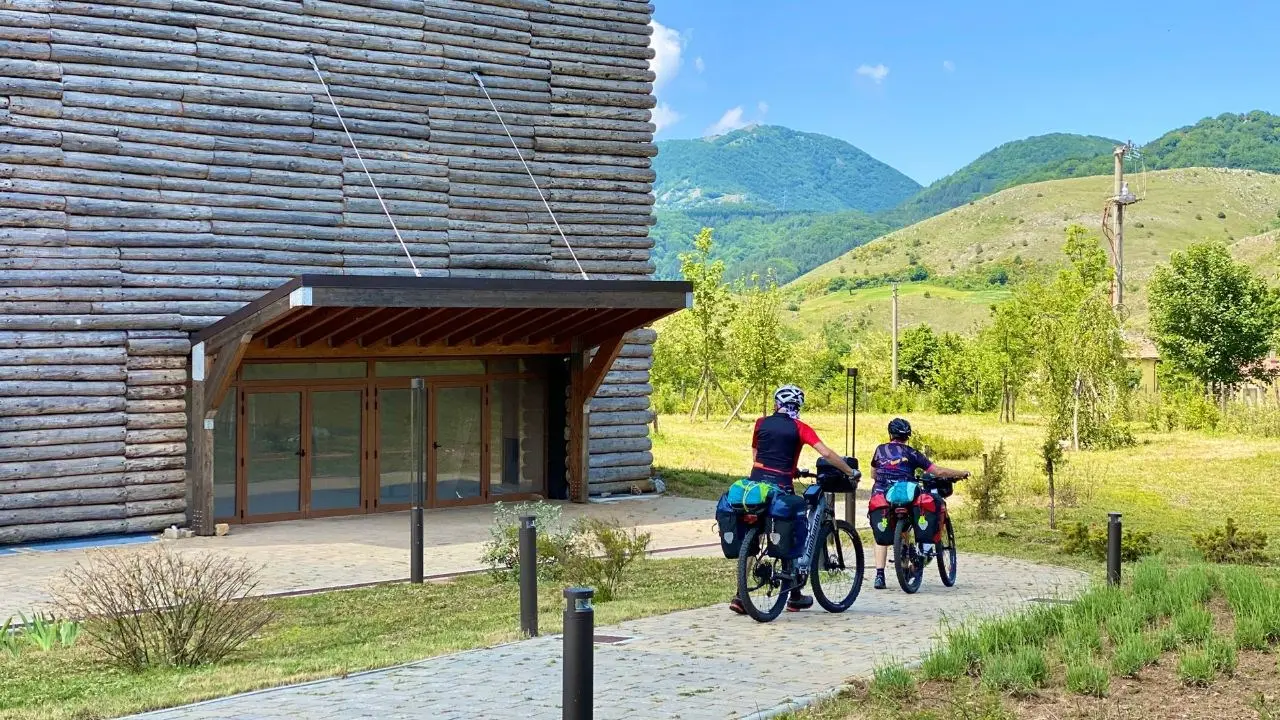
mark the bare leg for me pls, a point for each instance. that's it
(882, 556)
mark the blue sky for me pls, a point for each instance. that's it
(928, 85)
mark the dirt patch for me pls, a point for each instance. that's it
(1156, 694)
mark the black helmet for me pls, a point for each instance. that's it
(899, 429)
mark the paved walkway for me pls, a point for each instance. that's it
(695, 665)
(303, 555)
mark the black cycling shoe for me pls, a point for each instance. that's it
(736, 606)
(879, 582)
(799, 601)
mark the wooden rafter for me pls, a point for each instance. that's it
(515, 319)
(349, 317)
(546, 332)
(288, 327)
(413, 329)
(377, 325)
(221, 369)
(587, 324)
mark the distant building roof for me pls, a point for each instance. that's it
(1141, 348)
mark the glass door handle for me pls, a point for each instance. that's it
(301, 453)
(435, 446)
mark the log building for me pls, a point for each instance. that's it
(206, 314)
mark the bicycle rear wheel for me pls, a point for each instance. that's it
(947, 554)
(838, 567)
(761, 587)
(907, 562)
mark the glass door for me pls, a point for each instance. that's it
(393, 454)
(273, 454)
(458, 444)
(336, 453)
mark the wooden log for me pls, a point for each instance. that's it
(61, 452)
(597, 475)
(611, 405)
(57, 468)
(620, 445)
(604, 432)
(32, 389)
(156, 436)
(159, 346)
(15, 340)
(628, 417)
(25, 423)
(158, 449)
(157, 377)
(147, 407)
(28, 406)
(92, 496)
(59, 515)
(45, 352)
(636, 390)
(623, 487)
(63, 482)
(71, 436)
(155, 477)
(62, 372)
(153, 392)
(153, 464)
(50, 531)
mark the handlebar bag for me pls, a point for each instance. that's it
(746, 496)
(901, 493)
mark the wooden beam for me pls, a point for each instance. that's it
(199, 447)
(594, 374)
(379, 322)
(226, 359)
(382, 349)
(548, 331)
(577, 456)
(591, 323)
(514, 319)
(521, 331)
(617, 325)
(414, 328)
(285, 330)
(467, 332)
(444, 328)
(341, 321)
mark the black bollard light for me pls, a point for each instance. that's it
(579, 636)
(418, 445)
(529, 575)
(1114, 531)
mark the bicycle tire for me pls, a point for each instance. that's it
(907, 564)
(747, 573)
(849, 545)
(947, 554)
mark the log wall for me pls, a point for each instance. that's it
(162, 162)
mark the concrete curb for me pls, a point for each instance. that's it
(795, 704)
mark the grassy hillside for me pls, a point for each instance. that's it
(775, 168)
(1026, 225)
(998, 169)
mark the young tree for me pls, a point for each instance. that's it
(1212, 317)
(917, 354)
(713, 306)
(1008, 345)
(758, 350)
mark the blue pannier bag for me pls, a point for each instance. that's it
(731, 526)
(788, 526)
(746, 496)
(901, 493)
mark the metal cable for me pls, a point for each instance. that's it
(367, 174)
(520, 155)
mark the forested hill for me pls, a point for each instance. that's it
(777, 169)
(1249, 141)
(998, 169)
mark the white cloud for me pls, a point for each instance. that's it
(664, 116)
(698, 64)
(730, 121)
(877, 73)
(763, 107)
(668, 46)
(948, 66)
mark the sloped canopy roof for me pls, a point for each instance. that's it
(322, 313)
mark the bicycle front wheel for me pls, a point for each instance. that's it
(907, 562)
(761, 587)
(947, 554)
(837, 567)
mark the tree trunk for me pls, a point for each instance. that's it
(1075, 416)
(1053, 520)
(736, 408)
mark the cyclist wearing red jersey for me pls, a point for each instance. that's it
(777, 441)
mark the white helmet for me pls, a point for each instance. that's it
(789, 395)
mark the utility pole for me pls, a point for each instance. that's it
(895, 336)
(1119, 199)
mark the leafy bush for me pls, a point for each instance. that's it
(942, 447)
(1195, 668)
(893, 682)
(603, 560)
(558, 541)
(159, 607)
(1229, 544)
(1085, 540)
(1088, 678)
(988, 488)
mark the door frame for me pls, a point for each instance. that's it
(433, 498)
(362, 506)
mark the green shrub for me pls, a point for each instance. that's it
(941, 447)
(1135, 653)
(1222, 653)
(1195, 668)
(1081, 539)
(602, 562)
(1251, 633)
(1088, 678)
(988, 488)
(558, 541)
(1229, 544)
(1020, 673)
(893, 682)
(1193, 624)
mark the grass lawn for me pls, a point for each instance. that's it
(1198, 638)
(333, 634)
(1170, 484)
(944, 308)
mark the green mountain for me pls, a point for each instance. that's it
(774, 168)
(1249, 141)
(998, 169)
